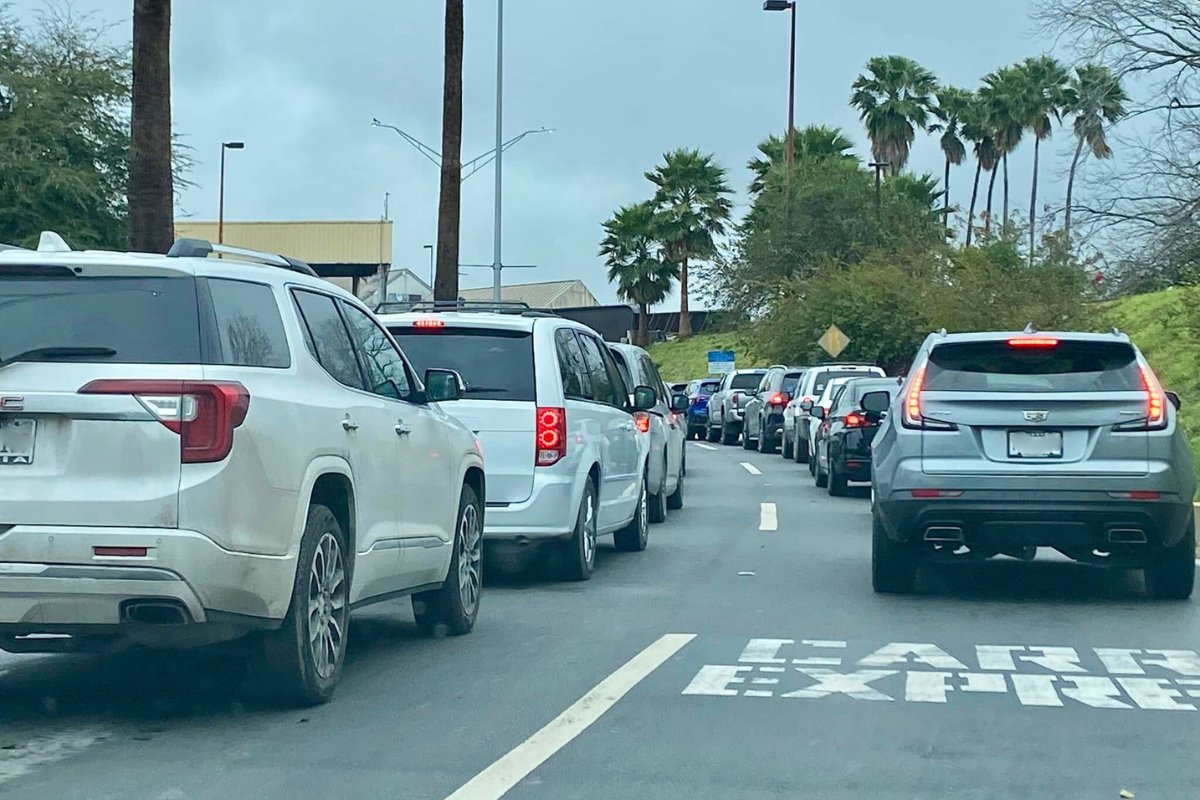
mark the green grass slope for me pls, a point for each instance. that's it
(686, 359)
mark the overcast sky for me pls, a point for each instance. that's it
(621, 81)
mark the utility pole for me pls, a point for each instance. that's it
(497, 266)
(879, 167)
(381, 293)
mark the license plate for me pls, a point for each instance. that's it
(1035, 444)
(16, 441)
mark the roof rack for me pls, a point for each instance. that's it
(202, 248)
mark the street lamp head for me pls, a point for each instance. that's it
(426, 247)
(778, 5)
(233, 145)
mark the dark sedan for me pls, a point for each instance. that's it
(843, 443)
(698, 392)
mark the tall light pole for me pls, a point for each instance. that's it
(221, 199)
(789, 5)
(429, 247)
(497, 269)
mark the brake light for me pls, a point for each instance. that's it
(1034, 342)
(933, 494)
(429, 322)
(913, 417)
(778, 399)
(642, 421)
(1135, 495)
(736, 397)
(551, 436)
(1156, 405)
(203, 413)
(853, 420)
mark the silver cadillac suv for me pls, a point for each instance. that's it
(1000, 443)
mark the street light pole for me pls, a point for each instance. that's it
(429, 247)
(789, 5)
(497, 269)
(879, 167)
(221, 191)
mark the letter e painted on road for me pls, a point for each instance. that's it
(911, 653)
(714, 681)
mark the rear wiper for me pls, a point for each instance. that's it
(484, 390)
(54, 353)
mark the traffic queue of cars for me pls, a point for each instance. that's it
(195, 450)
(993, 444)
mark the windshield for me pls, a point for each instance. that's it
(825, 376)
(495, 364)
(1070, 366)
(111, 313)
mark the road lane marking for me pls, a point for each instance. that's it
(753, 470)
(768, 517)
(512, 768)
(705, 446)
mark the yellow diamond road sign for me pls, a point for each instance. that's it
(833, 341)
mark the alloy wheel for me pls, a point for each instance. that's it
(327, 605)
(470, 558)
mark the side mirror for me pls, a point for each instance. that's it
(876, 402)
(680, 403)
(806, 405)
(817, 412)
(644, 398)
(1175, 399)
(443, 385)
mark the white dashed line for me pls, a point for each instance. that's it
(753, 470)
(513, 767)
(768, 517)
(705, 446)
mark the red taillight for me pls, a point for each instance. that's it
(1156, 405)
(642, 421)
(1135, 495)
(853, 420)
(551, 436)
(933, 494)
(431, 322)
(913, 418)
(1034, 342)
(203, 413)
(778, 399)
(736, 398)
(119, 552)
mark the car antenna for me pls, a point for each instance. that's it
(1031, 328)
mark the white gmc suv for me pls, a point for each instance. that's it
(565, 461)
(192, 449)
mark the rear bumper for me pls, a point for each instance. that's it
(697, 420)
(550, 512)
(1069, 520)
(50, 578)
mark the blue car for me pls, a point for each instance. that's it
(698, 392)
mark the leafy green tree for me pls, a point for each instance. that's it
(693, 209)
(894, 99)
(635, 264)
(151, 177)
(1046, 85)
(64, 99)
(953, 110)
(813, 142)
(1096, 99)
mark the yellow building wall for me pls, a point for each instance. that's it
(352, 242)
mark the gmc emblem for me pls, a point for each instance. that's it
(12, 403)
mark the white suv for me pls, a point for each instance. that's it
(193, 448)
(564, 462)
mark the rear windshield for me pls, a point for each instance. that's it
(146, 320)
(824, 377)
(496, 365)
(999, 367)
(790, 382)
(706, 389)
(747, 380)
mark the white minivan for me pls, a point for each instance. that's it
(556, 423)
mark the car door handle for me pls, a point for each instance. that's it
(626, 426)
(349, 424)
(402, 429)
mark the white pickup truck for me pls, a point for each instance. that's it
(726, 408)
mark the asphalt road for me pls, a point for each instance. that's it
(725, 662)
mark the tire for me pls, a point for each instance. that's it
(453, 607)
(675, 499)
(838, 486)
(658, 501)
(819, 475)
(634, 537)
(577, 558)
(893, 566)
(765, 445)
(785, 445)
(726, 438)
(801, 450)
(796, 447)
(713, 435)
(1171, 572)
(295, 662)
(747, 442)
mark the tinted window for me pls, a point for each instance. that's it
(791, 381)
(604, 388)
(380, 360)
(746, 380)
(334, 350)
(708, 388)
(866, 387)
(622, 367)
(1068, 367)
(495, 364)
(576, 384)
(651, 372)
(249, 328)
(146, 320)
(825, 376)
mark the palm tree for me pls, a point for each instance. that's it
(445, 284)
(632, 253)
(1095, 98)
(691, 209)
(1046, 93)
(814, 142)
(893, 101)
(954, 104)
(1003, 94)
(977, 129)
(151, 181)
